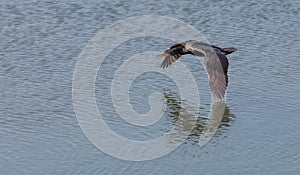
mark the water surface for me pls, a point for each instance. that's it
(40, 43)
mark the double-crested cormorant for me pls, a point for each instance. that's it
(215, 62)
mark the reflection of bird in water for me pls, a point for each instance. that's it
(213, 56)
(220, 117)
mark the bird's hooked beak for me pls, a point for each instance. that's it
(163, 54)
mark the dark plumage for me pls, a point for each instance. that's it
(215, 61)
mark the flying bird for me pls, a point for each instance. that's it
(215, 62)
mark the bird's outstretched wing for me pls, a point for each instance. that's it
(171, 55)
(217, 74)
(169, 59)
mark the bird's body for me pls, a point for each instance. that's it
(215, 62)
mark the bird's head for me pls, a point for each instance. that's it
(175, 50)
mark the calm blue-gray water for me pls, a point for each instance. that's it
(40, 43)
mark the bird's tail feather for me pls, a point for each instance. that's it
(228, 50)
